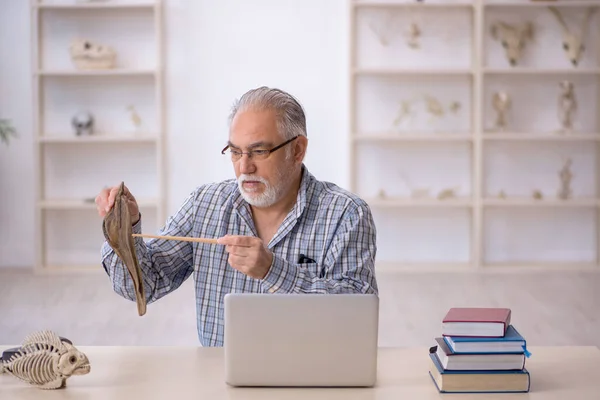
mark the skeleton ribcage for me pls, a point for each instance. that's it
(37, 367)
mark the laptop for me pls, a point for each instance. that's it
(299, 340)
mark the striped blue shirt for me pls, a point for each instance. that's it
(331, 227)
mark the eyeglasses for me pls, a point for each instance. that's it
(257, 154)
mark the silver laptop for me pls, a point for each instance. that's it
(301, 339)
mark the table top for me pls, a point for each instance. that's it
(198, 373)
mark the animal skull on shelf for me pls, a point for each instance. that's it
(513, 38)
(573, 41)
(88, 55)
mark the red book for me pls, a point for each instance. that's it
(476, 322)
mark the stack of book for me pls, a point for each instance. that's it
(480, 351)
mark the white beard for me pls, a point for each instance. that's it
(269, 196)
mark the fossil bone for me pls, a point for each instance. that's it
(87, 55)
(565, 176)
(567, 105)
(45, 361)
(117, 230)
(513, 38)
(502, 103)
(573, 41)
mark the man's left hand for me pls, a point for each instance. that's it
(248, 255)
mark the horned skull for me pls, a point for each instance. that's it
(573, 41)
(513, 38)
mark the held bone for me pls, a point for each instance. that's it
(513, 38)
(572, 41)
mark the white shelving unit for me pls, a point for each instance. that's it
(72, 169)
(402, 156)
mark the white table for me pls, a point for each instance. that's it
(561, 373)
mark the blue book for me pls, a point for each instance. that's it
(511, 343)
(481, 381)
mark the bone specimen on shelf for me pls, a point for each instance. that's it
(455, 107)
(567, 106)
(449, 193)
(384, 27)
(381, 194)
(501, 103)
(415, 193)
(135, 118)
(537, 194)
(413, 34)
(566, 176)
(573, 42)
(502, 194)
(405, 111)
(87, 55)
(434, 107)
(514, 38)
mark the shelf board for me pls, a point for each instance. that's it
(403, 137)
(97, 72)
(63, 204)
(539, 266)
(70, 269)
(524, 3)
(541, 71)
(94, 6)
(424, 4)
(398, 202)
(548, 202)
(64, 139)
(576, 137)
(412, 71)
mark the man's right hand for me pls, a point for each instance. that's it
(106, 200)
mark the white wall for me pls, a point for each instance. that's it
(215, 52)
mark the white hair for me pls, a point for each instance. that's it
(291, 120)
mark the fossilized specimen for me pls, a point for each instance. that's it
(573, 41)
(117, 230)
(565, 192)
(513, 37)
(46, 362)
(567, 106)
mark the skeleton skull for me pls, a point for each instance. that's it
(83, 122)
(572, 42)
(88, 55)
(513, 39)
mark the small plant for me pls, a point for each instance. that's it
(6, 131)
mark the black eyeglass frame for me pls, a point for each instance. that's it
(269, 151)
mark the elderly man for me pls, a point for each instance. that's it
(279, 229)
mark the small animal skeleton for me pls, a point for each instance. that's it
(513, 38)
(502, 103)
(447, 194)
(117, 231)
(416, 193)
(412, 36)
(455, 107)
(83, 122)
(434, 107)
(6, 131)
(573, 41)
(136, 120)
(385, 29)
(567, 106)
(87, 55)
(45, 361)
(565, 176)
(403, 112)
